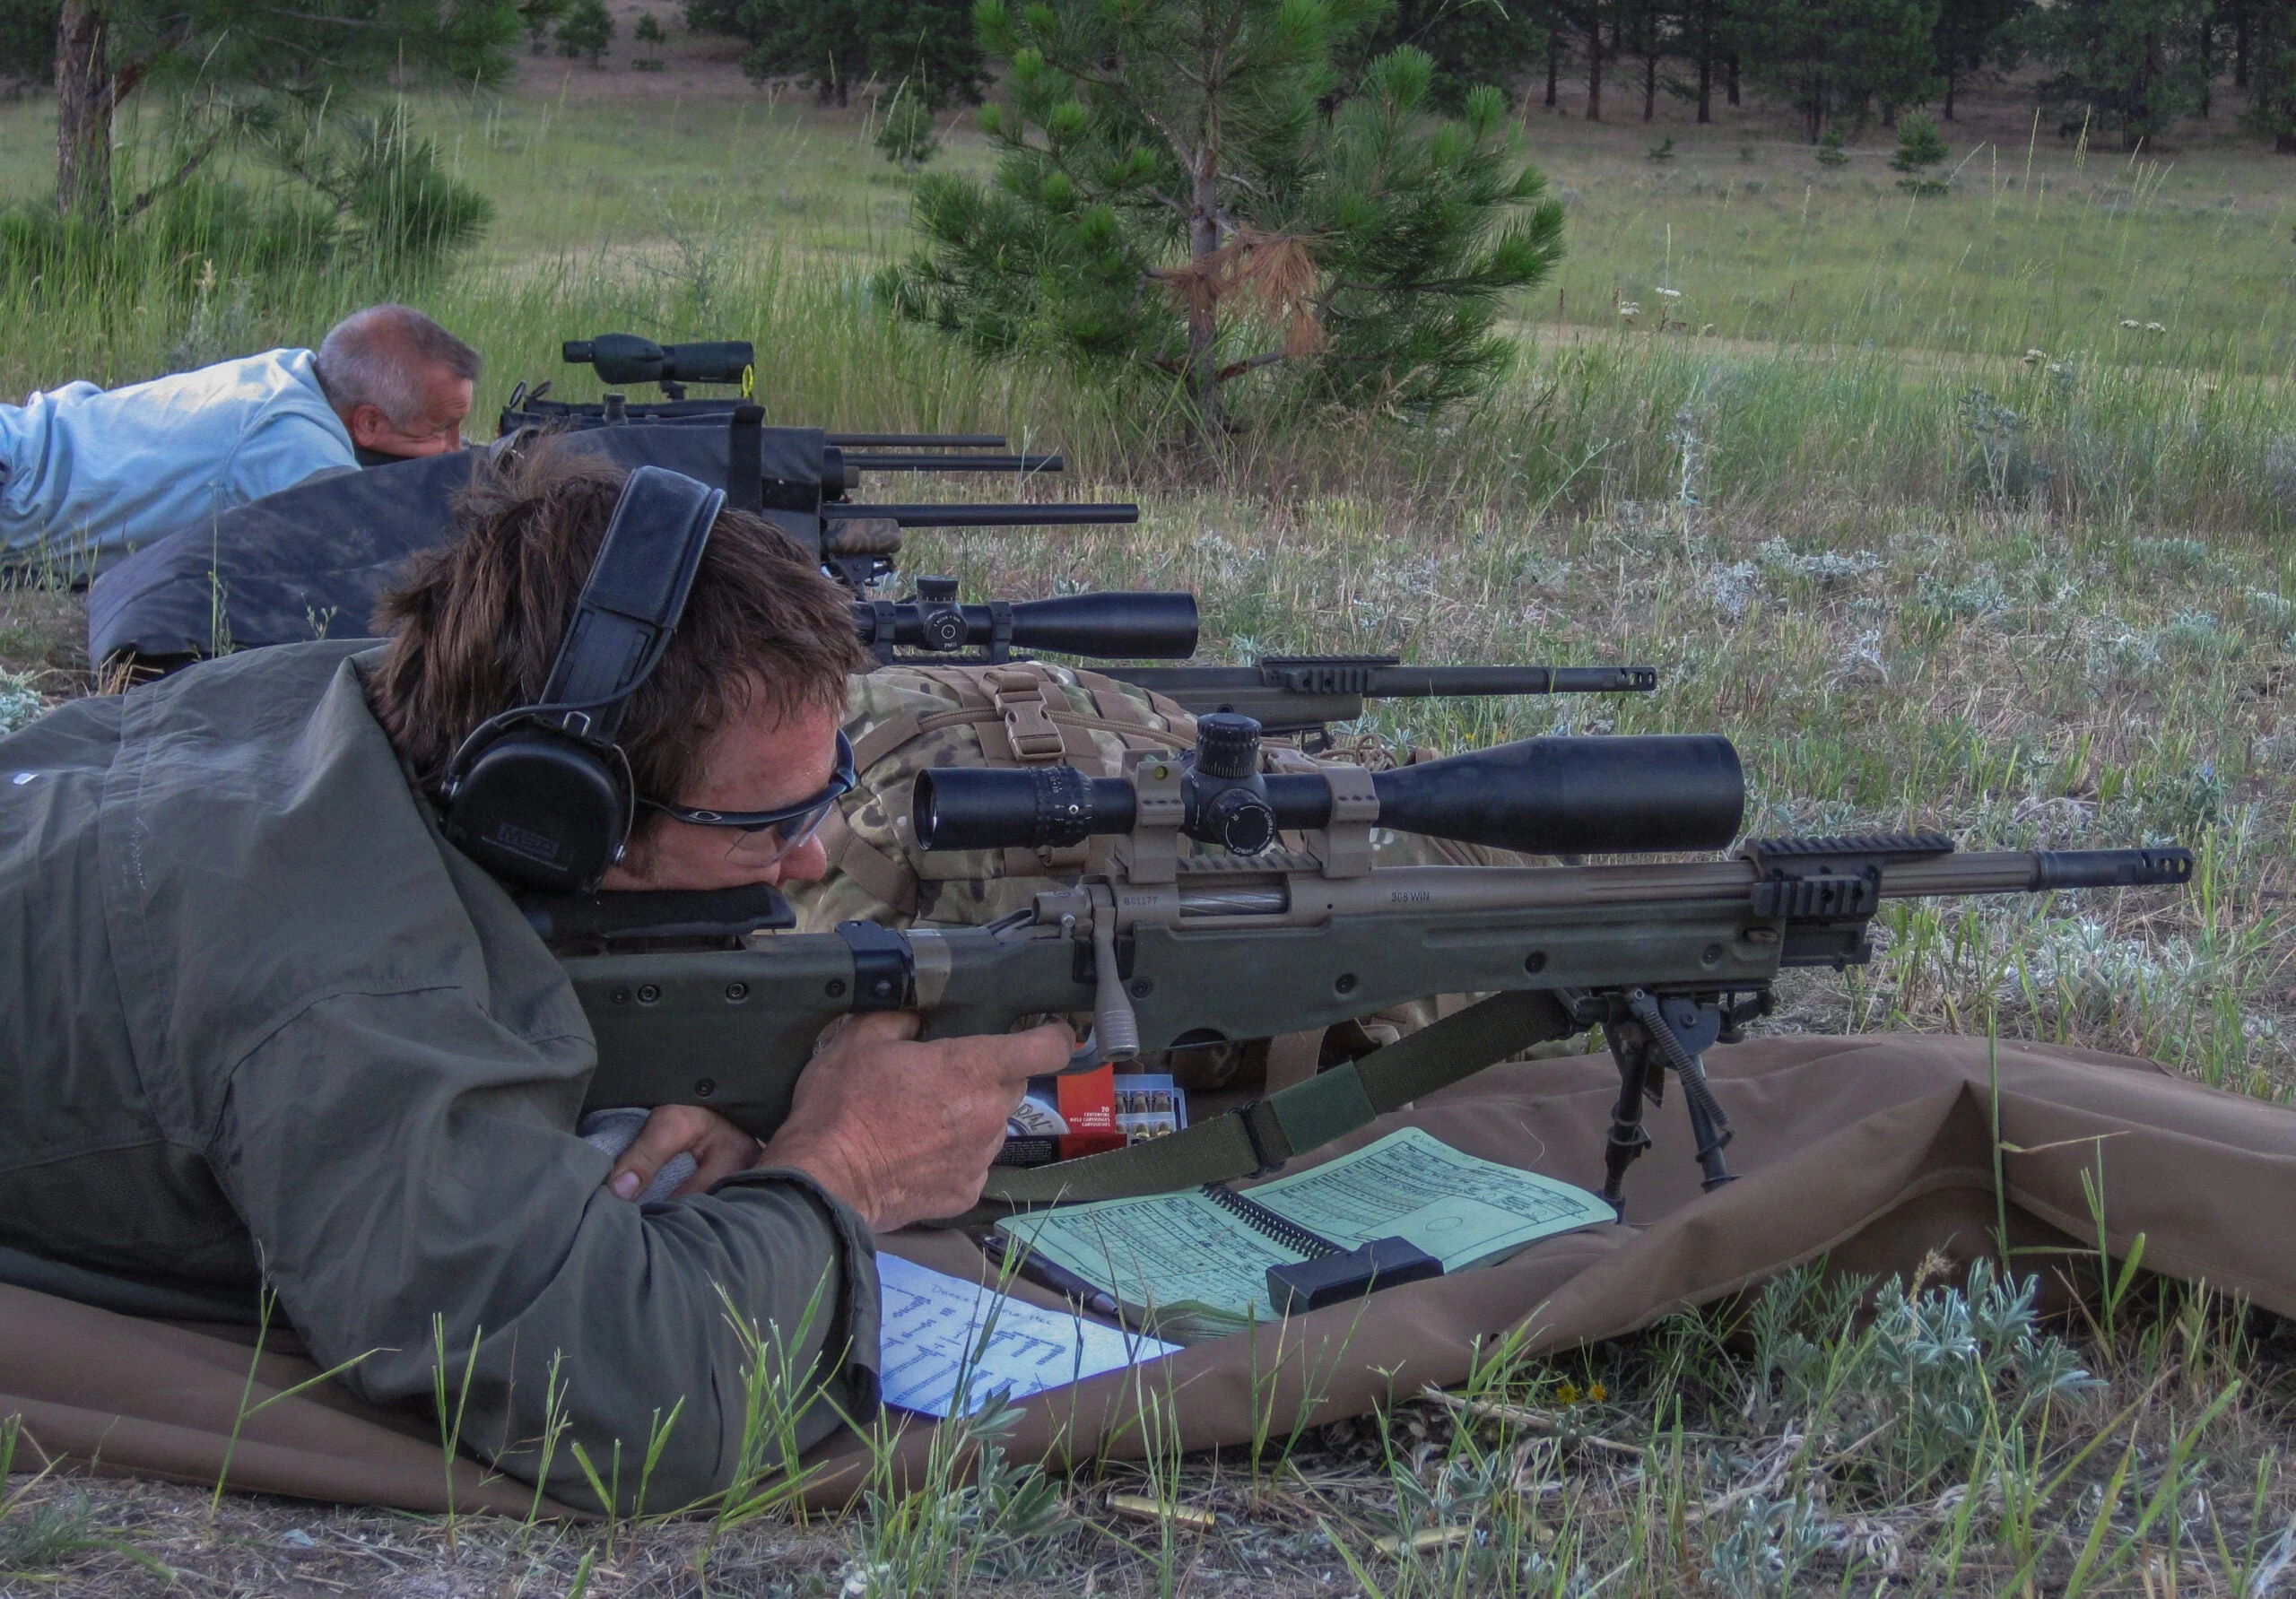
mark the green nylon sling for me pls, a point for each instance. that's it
(1257, 1137)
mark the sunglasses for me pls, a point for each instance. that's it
(770, 836)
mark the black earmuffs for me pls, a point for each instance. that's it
(540, 796)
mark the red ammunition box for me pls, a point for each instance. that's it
(1088, 1105)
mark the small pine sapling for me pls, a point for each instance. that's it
(648, 32)
(907, 138)
(1920, 146)
(1663, 151)
(1829, 151)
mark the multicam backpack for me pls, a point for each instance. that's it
(903, 719)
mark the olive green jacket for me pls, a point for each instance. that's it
(259, 1022)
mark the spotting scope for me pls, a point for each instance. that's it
(1611, 796)
(625, 358)
(1154, 627)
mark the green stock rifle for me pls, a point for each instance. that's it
(1167, 946)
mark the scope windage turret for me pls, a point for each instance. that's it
(1542, 797)
(625, 358)
(1156, 626)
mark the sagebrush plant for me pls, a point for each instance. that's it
(20, 701)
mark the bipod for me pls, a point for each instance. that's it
(1648, 1036)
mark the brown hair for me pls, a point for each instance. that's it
(476, 626)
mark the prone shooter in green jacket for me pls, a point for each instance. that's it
(262, 1022)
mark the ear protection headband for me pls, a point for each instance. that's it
(540, 796)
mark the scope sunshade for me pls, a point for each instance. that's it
(540, 796)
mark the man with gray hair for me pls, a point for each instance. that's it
(88, 474)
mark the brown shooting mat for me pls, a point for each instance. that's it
(1870, 1150)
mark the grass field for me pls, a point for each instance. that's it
(1891, 493)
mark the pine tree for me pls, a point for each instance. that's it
(1590, 16)
(2271, 60)
(647, 33)
(2124, 66)
(829, 46)
(1968, 34)
(906, 137)
(1920, 146)
(1835, 58)
(586, 30)
(1645, 33)
(1703, 29)
(1473, 42)
(1183, 194)
(537, 17)
(227, 74)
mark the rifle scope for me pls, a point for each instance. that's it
(1543, 796)
(625, 358)
(1159, 627)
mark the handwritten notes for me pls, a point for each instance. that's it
(949, 1345)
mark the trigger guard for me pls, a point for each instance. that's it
(1085, 1057)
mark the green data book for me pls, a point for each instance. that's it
(1194, 1264)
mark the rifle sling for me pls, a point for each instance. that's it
(1257, 1137)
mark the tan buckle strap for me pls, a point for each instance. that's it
(1019, 699)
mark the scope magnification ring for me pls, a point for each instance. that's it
(1064, 811)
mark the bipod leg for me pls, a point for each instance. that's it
(1629, 1138)
(1710, 1140)
(1708, 1122)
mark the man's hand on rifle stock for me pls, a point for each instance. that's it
(719, 1149)
(904, 1131)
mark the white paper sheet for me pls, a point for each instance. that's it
(932, 1339)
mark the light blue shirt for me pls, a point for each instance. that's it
(93, 474)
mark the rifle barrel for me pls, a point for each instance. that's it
(949, 461)
(1380, 677)
(2034, 871)
(984, 516)
(921, 440)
